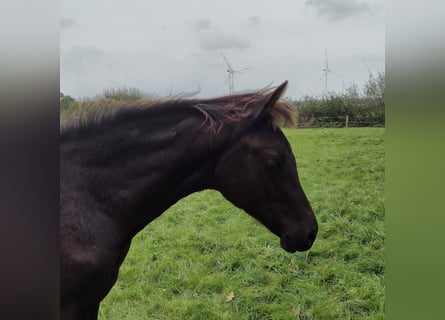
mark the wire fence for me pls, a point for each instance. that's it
(339, 122)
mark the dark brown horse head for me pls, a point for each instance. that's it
(258, 173)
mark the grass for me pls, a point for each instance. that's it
(185, 264)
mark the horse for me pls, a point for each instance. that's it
(122, 167)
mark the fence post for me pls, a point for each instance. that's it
(347, 120)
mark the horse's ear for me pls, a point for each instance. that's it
(266, 107)
(270, 105)
(270, 100)
(276, 95)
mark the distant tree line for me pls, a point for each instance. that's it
(69, 105)
(66, 102)
(121, 94)
(354, 107)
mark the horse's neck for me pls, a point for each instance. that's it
(138, 173)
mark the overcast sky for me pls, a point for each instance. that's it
(172, 46)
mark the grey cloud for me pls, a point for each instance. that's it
(337, 10)
(213, 38)
(201, 24)
(66, 23)
(81, 59)
(254, 20)
(218, 41)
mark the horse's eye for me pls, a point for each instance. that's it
(271, 164)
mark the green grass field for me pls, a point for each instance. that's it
(187, 263)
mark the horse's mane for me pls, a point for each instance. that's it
(226, 110)
(233, 108)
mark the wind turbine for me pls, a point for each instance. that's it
(231, 73)
(326, 71)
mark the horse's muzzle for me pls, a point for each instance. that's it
(298, 243)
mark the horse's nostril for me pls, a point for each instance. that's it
(311, 237)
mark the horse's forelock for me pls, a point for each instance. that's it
(281, 114)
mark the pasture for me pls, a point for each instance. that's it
(206, 259)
